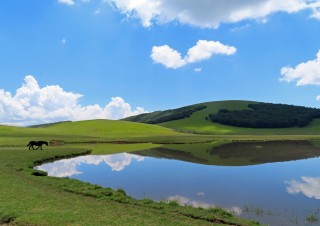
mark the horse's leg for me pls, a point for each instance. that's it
(32, 147)
(41, 147)
(38, 147)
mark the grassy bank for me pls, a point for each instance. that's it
(27, 199)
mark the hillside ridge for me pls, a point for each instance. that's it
(291, 119)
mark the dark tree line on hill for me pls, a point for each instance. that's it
(165, 116)
(265, 115)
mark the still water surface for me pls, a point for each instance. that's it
(276, 183)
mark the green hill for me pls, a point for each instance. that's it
(108, 129)
(95, 131)
(199, 121)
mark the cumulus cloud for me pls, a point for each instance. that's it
(209, 14)
(203, 50)
(67, 2)
(32, 104)
(143, 9)
(309, 186)
(306, 73)
(69, 167)
(167, 56)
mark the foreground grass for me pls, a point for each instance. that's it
(27, 199)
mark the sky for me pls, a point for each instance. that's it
(88, 59)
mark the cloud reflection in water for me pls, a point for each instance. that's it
(68, 167)
(184, 201)
(309, 186)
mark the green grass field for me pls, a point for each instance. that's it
(96, 130)
(28, 199)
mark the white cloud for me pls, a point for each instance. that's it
(71, 2)
(237, 29)
(97, 12)
(315, 14)
(67, 2)
(167, 56)
(306, 73)
(144, 9)
(198, 69)
(309, 186)
(118, 108)
(203, 50)
(32, 104)
(69, 167)
(209, 14)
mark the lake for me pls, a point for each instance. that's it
(276, 183)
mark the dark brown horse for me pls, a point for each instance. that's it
(37, 143)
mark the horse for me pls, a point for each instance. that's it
(37, 143)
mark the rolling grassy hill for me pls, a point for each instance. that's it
(95, 131)
(197, 122)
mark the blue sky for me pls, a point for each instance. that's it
(83, 59)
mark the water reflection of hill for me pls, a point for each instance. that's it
(237, 153)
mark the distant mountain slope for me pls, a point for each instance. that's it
(199, 121)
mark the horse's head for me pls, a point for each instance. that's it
(46, 143)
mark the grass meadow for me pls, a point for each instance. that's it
(29, 197)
